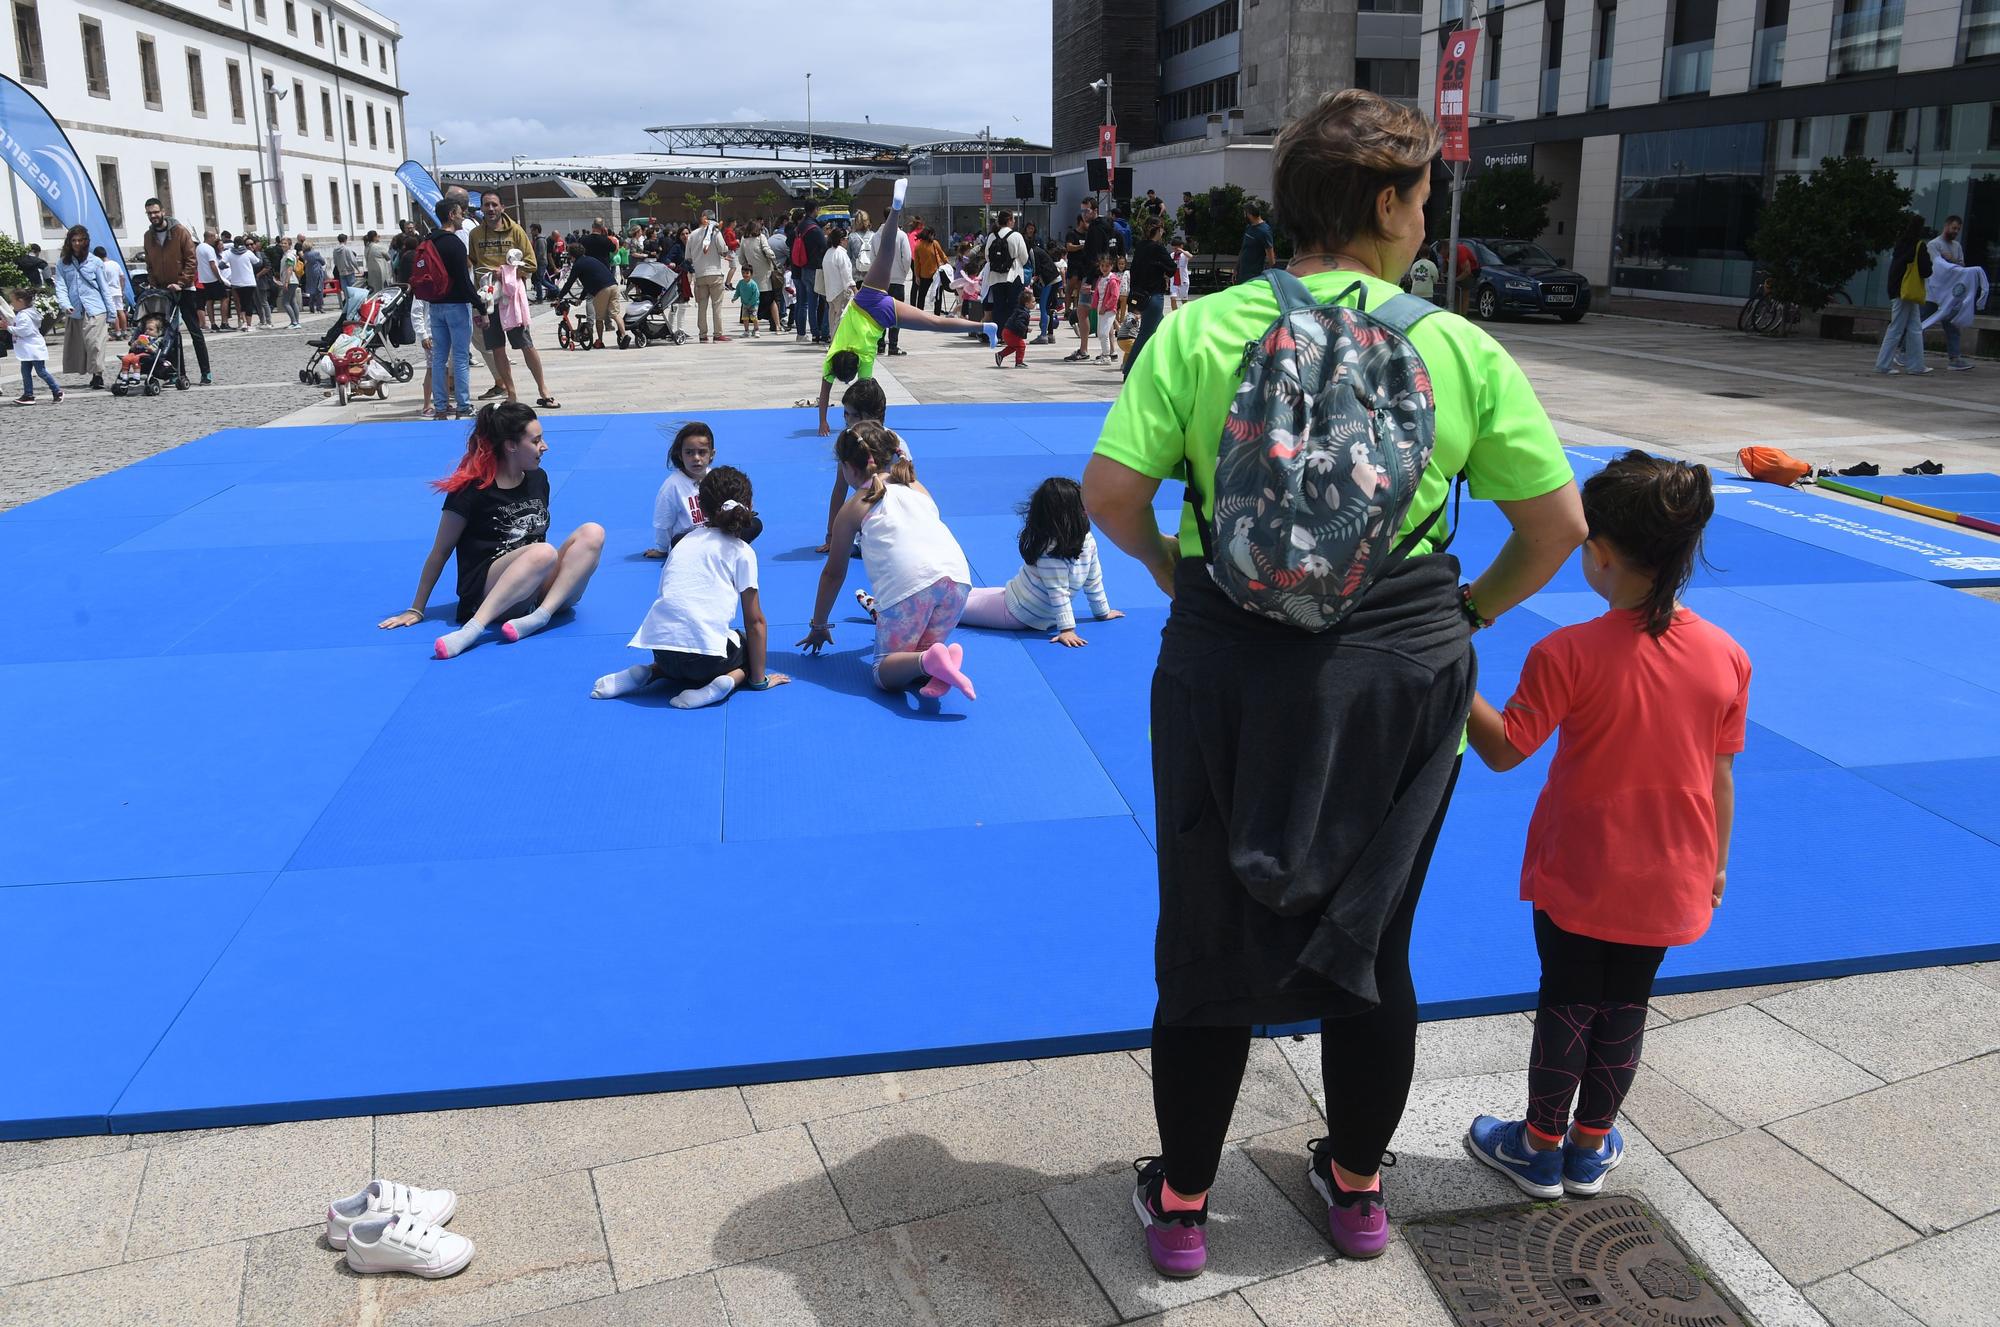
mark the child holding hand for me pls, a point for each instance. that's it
(1629, 845)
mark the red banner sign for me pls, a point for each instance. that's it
(1454, 81)
(986, 180)
(1107, 142)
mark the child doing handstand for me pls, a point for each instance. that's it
(916, 567)
(712, 572)
(873, 311)
(1628, 849)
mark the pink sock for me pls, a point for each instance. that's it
(942, 661)
(1373, 1186)
(1173, 1202)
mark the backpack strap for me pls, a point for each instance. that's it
(1403, 312)
(1291, 292)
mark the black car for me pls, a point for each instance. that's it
(1520, 276)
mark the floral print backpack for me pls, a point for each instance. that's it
(1320, 457)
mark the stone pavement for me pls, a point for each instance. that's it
(1829, 1151)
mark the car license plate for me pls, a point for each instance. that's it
(1558, 297)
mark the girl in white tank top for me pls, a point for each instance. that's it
(920, 574)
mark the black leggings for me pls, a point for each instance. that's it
(1589, 1026)
(1367, 1061)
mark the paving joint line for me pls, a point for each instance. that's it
(1042, 1201)
(603, 1230)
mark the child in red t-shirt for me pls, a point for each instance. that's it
(1629, 844)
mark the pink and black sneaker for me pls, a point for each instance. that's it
(1358, 1223)
(1175, 1241)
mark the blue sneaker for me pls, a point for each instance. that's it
(1500, 1144)
(1584, 1170)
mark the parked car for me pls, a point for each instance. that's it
(1520, 276)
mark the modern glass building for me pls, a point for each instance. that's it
(1667, 123)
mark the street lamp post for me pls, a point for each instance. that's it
(437, 140)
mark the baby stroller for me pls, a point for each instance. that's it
(652, 291)
(356, 348)
(153, 356)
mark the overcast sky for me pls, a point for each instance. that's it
(574, 77)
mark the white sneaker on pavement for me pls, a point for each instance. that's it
(384, 1198)
(399, 1244)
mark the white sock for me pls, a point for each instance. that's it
(454, 643)
(696, 697)
(526, 625)
(623, 682)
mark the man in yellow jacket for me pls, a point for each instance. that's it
(488, 246)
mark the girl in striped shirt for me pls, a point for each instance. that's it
(1059, 558)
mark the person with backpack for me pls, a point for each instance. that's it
(441, 276)
(808, 251)
(1316, 669)
(1007, 261)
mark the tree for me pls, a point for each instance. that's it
(1819, 230)
(691, 202)
(1219, 226)
(1507, 203)
(10, 273)
(769, 198)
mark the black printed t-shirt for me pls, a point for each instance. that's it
(497, 521)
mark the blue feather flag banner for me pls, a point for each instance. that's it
(40, 153)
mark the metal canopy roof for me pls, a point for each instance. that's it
(834, 138)
(635, 168)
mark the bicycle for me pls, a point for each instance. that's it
(1767, 315)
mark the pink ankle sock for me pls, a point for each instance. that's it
(941, 661)
(1373, 1186)
(1173, 1202)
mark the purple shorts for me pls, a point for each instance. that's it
(877, 305)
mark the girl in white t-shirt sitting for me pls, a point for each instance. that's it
(712, 572)
(677, 508)
(918, 570)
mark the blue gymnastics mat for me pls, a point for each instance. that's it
(233, 788)
(1929, 488)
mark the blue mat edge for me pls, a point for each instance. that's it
(895, 1061)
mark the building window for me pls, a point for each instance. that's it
(299, 106)
(1393, 7)
(352, 136)
(149, 73)
(209, 220)
(28, 43)
(389, 127)
(1552, 61)
(340, 31)
(246, 195)
(371, 127)
(378, 204)
(333, 199)
(1979, 30)
(396, 206)
(1600, 63)
(1867, 36)
(197, 83)
(364, 48)
(1899, 133)
(1688, 201)
(357, 202)
(163, 188)
(1496, 29)
(262, 16)
(312, 204)
(1211, 23)
(382, 55)
(1218, 94)
(109, 190)
(96, 72)
(1941, 132)
(319, 30)
(1388, 78)
(1767, 48)
(326, 114)
(235, 72)
(1856, 144)
(291, 18)
(1690, 56)
(1251, 81)
(1801, 136)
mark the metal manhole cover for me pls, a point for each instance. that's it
(1591, 1261)
(1740, 396)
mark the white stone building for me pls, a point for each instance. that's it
(184, 100)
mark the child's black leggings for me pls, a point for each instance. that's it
(1590, 1021)
(1367, 1061)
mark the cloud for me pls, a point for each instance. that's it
(506, 77)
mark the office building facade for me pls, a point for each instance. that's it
(272, 116)
(1667, 123)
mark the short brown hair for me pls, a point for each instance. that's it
(1331, 163)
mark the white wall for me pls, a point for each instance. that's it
(1808, 38)
(1930, 35)
(1579, 44)
(170, 135)
(1735, 35)
(1596, 209)
(1642, 45)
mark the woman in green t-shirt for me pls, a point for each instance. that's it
(1301, 778)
